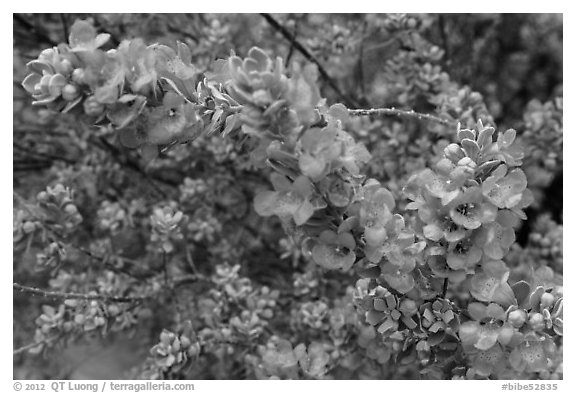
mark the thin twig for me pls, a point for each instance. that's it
(291, 50)
(64, 21)
(400, 113)
(274, 23)
(445, 288)
(44, 155)
(80, 296)
(133, 268)
(27, 347)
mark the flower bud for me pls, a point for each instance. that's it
(113, 310)
(547, 300)
(375, 235)
(454, 152)
(537, 322)
(42, 196)
(71, 209)
(78, 75)
(65, 67)
(467, 161)
(69, 92)
(517, 318)
(550, 163)
(185, 342)
(28, 227)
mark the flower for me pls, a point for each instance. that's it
(83, 37)
(50, 77)
(463, 255)
(174, 350)
(488, 327)
(435, 215)
(335, 251)
(485, 362)
(470, 211)
(399, 278)
(303, 93)
(495, 240)
(166, 223)
(506, 190)
(319, 148)
(399, 249)
(289, 200)
(532, 354)
(491, 284)
(375, 213)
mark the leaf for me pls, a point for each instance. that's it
(521, 291)
(485, 137)
(471, 147)
(260, 57)
(466, 134)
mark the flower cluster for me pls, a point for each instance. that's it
(122, 86)
(280, 360)
(58, 209)
(175, 351)
(517, 339)
(166, 224)
(469, 205)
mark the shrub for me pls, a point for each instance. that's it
(247, 220)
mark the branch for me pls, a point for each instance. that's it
(44, 155)
(25, 348)
(296, 44)
(81, 296)
(64, 21)
(445, 288)
(132, 268)
(400, 113)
